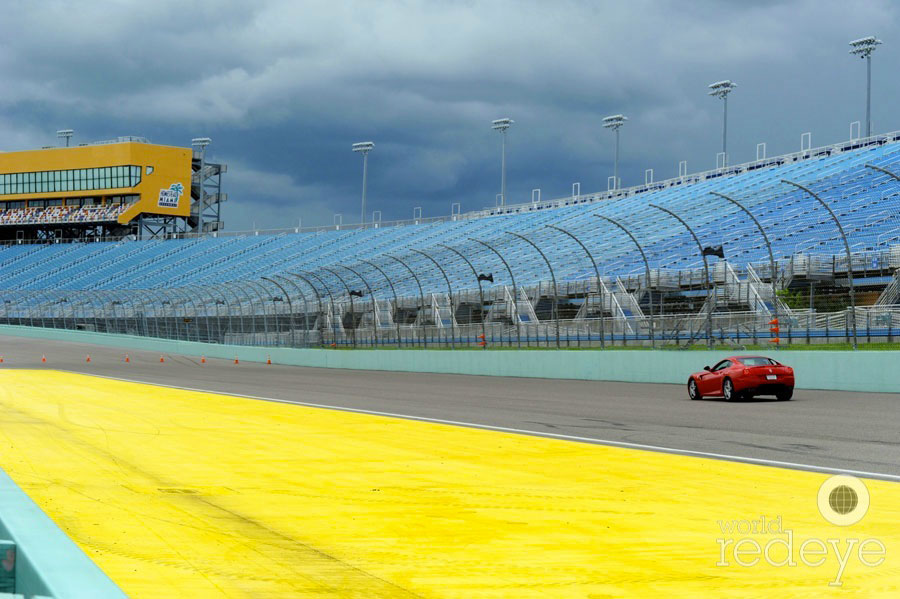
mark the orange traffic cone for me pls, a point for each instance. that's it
(268, 360)
(43, 358)
(203, 359)
(236, 360)
(88, 358)
(127, 359)
(161, 359)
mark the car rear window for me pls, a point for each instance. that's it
(758, 361)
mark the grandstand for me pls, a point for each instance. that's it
(106, 190)
(548, 272)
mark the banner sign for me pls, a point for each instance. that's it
(168, 198)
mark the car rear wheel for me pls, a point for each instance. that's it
(785, 394)
(693, 391)
(728, 391)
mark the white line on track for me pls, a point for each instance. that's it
(522, 431)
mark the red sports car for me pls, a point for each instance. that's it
(742, 377)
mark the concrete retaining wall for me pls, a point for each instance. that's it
(838, 370)
(46, 562)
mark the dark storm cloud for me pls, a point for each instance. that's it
(284, 88)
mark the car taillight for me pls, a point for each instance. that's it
(746, 371)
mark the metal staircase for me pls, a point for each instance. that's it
(891, 293)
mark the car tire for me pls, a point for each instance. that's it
(785, 394)
(693, 390)
(728, 392)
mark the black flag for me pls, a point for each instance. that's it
(715, 250)
(484, 277)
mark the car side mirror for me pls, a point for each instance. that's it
(706, 368)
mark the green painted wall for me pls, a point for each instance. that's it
(47, 561)
(838, 370)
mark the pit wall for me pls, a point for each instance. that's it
(39, 560)
(823, 369)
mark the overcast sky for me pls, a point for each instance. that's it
(285, 87)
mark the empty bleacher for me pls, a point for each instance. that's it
(864, 199)
(425, 273)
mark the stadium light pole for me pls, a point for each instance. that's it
(846, 248)
(721, 89)
(615, 123)
(364, 147)
(201, 143)
(65, 133)
(863, 48)
(502, 125)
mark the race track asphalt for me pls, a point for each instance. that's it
(818, 430)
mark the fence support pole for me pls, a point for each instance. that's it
(709, 300)
(646, 266)
(305, 307)
(262, 298)
(449, 295)
(515, 288)
(552, 276)
(480, 289)
(765, 237)
(846, 248)
(421, 314)
(350, 295)
(320, 316)
(333, 307)
(596, 273)
(374, 307)
(393, 292)
(290, 304)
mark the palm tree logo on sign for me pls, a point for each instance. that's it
(168, 198)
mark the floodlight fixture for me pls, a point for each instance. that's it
(615, 123)
(65, 133)
(502, 125)
(721, 89)
(364, 147)
(863, 48)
